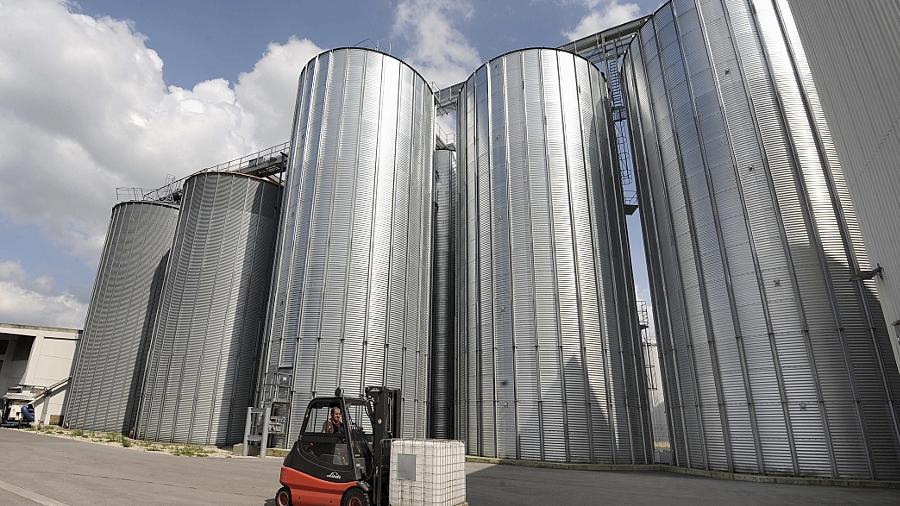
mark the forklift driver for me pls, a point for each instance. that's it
(335, 423)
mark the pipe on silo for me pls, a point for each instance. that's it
(108, 369)
(550, 345)
(350, 306)
(202, 359)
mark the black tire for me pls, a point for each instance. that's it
(283, 497)
(356, 497)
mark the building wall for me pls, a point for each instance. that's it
(47, 361)
(776, 362)
(351, 292)
(550, 346)
(202, 359)
(851, 53)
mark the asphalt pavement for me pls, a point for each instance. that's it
(53, 471)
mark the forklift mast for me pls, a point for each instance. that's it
(385, 410)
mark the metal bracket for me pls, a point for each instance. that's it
(869, 274)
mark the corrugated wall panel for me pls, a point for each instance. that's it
(550, 341)
(857, 98)
(109, 368)
(775, 359)
(351, 291)
(209, 330)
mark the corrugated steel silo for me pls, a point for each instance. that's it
(777, 359)
(442, 379)
(107, 373)
(551, 347)
(860, 101)
(351, 297)
(200, 366)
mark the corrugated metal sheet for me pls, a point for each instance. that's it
(774, 358)
(106, 380)
(851, 56)
(352, 280)
(442, 380)
(200, 366)
(552, 366)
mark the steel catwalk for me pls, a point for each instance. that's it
(550, 346)
(107, 371)
(776, 361)
(351, 296)
(442, 379)
(201, 362)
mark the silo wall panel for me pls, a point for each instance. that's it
(352, 282)
(752, 245)
(858, 99)
(442, 356)
(112, 352)
(205, 346)
(550, 343)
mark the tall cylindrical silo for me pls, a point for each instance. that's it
(107, 373)
(777, 359)
(442, 356)
(201, 362)
(550, 346)
(352, 279)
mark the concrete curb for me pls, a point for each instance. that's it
(280, 453)
(719, 475)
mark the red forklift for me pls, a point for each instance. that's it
(343, 464)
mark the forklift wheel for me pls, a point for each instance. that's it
(356, 497)
(283, 497)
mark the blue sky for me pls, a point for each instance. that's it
(101, 94)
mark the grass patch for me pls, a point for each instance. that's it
(190, 451)
(112, 437)
(181, 450)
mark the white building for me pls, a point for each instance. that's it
(34, 360)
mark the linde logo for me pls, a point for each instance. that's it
(334, 476)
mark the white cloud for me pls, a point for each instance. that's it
(41, 306)
(269, 91)
(84, 108)
(437, 49)
(602, 14)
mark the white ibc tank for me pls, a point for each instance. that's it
(427, 472)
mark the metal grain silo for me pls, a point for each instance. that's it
(106, 377)
(442, 356)
(201, 362)
(777, 359)
(550, 342)
(862, 107)
(351, 285)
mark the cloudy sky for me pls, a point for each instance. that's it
(101, 94)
